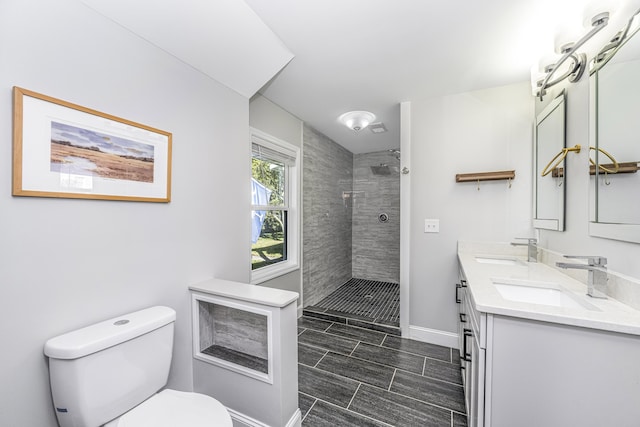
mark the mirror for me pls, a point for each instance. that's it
(549, 166)
(615, 140)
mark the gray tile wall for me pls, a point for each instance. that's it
(234, 329)
(327, 175)
(376, 245)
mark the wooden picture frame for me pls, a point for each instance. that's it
(65, 150)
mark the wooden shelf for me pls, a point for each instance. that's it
(628, 167)
(485, 176)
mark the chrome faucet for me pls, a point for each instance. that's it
(532, 247)
(597, 266)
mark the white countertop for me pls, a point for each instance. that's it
(609, 314)
(245, 292)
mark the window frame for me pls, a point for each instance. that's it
(292, 207)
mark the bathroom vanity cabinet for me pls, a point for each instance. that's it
(472, 354)
(525, 372)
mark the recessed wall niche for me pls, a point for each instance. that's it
(233, 336)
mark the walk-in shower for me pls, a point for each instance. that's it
(352, 257)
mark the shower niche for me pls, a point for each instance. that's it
(245, 350)
(234, 336)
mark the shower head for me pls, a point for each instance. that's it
(396, 152)
(382, 169)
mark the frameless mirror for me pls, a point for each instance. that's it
(615, 139)
(549, 188)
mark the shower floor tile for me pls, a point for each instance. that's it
(365, 300)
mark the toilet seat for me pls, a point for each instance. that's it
(171, 408)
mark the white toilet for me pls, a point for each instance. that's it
(109, 374)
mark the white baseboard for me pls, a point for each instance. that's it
(242, 420)
(433, 336)
(296, 419)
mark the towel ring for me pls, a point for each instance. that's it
(616, 166)
(560, 158)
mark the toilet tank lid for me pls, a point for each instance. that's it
(108, 333)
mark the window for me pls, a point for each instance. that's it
(274, 200)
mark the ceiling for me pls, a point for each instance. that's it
(352, 54)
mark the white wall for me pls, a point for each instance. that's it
(575, 240)
(67, 263)
(270, 118)
(481, 131)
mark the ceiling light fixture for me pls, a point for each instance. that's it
(357, 120)
(569, 50)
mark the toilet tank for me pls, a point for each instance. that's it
(102, 371)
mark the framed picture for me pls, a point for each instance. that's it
(64, 150)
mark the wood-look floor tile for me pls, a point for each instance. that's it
(325, 415)
(356, 369)
(417, 347)
(429, 390)
(388, 356)
(459, 420)
(444, 371)
(308, 355)
(398, 410)
(327, 341)
(305, 403)
(455, 356)
(326, 386)
(324, 316)
(311, 323)
(374, 326)
(360, 334)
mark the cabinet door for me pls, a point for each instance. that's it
(466, 366)
(461, 302)
(475, 410)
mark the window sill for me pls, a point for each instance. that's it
(267, 273)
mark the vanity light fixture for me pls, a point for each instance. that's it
(569, 50)
(357, 120)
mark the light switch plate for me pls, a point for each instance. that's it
(431, 225)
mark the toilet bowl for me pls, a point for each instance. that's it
(113, 374)
(171, 408)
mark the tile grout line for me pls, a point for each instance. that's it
(353, 412)
(393, 377)
(416, 354)
(420, 400)
(383, 340)
(311, 407)
(329, 327)
(320, 360)
(386, 339)
(354, 349)
(383, 364)
(354, 396)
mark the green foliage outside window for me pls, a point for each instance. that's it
(270, 247)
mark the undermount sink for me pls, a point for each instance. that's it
(544, 293)
(498, 260)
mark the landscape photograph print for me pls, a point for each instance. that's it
(80, 151)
